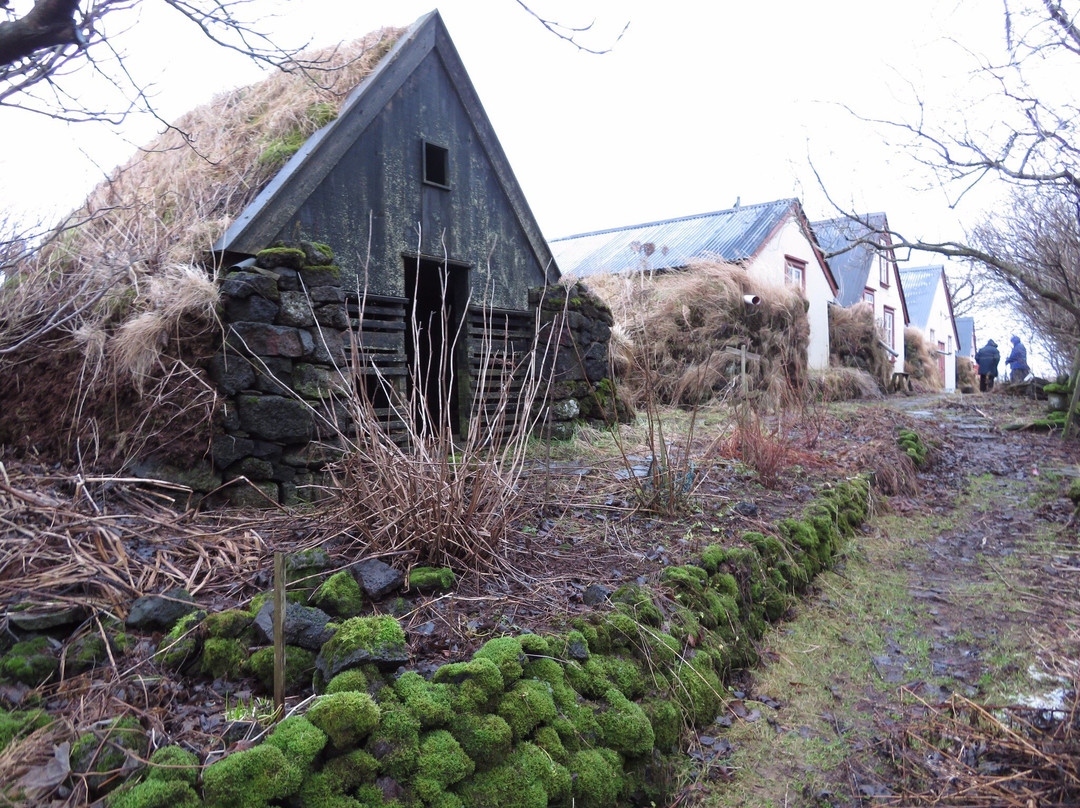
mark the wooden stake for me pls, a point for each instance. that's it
(279, 634)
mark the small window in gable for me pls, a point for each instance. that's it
(883, 271)
(795, 272)
(436, 165)
(868, 296)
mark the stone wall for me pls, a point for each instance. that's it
(286, 325)
(581, 384)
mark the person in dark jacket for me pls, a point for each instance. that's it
(987, 359)
(1017, 361)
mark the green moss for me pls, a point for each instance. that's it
(321, 113)
(352, 769)
(508, 785)
(538, 764)
(697, 688)
(300, 741)
(725, 584)
(533, 645)
(251, 778)
(20, 723)
(31, 662)
(442, 763)
(277, 151)
(84, 653)
(911, 444)
(528, 705)
(396, 741)
(347, 718)
(230, 624)
(712, 557)
(554, 675)
(547, 738)
(429, 579)
(590, 633)
(600, 672)
(223, 658)
(666, 723)
(486, 739)
(507, 655)
(624, 726)
(156, 794)
(101, 754)
(340, 595)
(180, 647)
(354, 679)
(430, 702)
(299, 666)
(687, 576)
(478, 682)
(637, 603)
(617, 630)
(174, 763)
(1074, 492)
(377, 636)
(597, 777)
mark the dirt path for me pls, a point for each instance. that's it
(967, 590)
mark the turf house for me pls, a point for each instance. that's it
(361, 216)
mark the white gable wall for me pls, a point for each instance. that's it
(769, 265)
(888, 297)
(941, 325)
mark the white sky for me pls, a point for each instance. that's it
(701, 102)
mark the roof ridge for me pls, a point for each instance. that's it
(788, 200)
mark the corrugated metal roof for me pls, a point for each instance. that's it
(732, 235)
(920, 283)
(851, 268)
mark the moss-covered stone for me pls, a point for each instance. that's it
(359, 640)
(697, 688)
(600, 672)
(442, 763)
(597, 778)
(251, 778)
(638, 604)
(347, 718)
(280, 257)
(223, 658)
(508, 785)
(624, 726)
(32, 662)
(430, 702)
(547, 738)
(156, 794)
(507, 655)
(712, 557)
(478, 682)
(110, 754)
(174, 763)
(340, 595)
(666, 722)
(352, 769)
(230, 624)
(20, 723)
(526, 706)
(85, 652)
(486, 739)
(299, 667)
(396, 741)
(534, 645)
(180, 647)
(354, 679)
(431, 579)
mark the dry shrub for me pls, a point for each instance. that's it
(110, 314)
(765, 449)
(920, 360)
(854, 342)
(845, 384)
(967, 374)
(681, 325)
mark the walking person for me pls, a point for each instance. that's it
(987, 359)
(1017, 361)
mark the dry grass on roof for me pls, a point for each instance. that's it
(173, 199)
(680, 328)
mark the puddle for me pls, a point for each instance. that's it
(1054, 698)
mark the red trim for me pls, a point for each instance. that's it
(868, 295)
(892, 331)
(797, 263)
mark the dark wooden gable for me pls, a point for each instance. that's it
(411, 167)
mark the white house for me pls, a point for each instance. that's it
(930, 306)
(861, 257)
(772, 241)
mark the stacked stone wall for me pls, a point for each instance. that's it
(580, 372)
(287, 325)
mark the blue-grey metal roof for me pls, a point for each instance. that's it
(920, 283)
(965, 331)
(731, 235)
(851, 265)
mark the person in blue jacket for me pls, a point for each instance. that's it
(1017, 361)
(987, 358)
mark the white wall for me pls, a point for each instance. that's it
(944, 329)
(769, 265)
(888, 296)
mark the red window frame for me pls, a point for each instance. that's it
(791, 263)
(868, 295)
(888, 315)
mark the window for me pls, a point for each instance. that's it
(795, 272)
(868, 296)
(888, 328)
(436, 165)
(933, 336)
(883, 271)
(949, 339)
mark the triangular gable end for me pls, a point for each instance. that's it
(357, 183)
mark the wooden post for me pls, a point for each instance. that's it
(279, 634)
(745, 381)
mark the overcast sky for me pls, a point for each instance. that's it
(700, 103)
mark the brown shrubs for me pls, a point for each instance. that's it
(854, 342)
(684, 330)
(921, 362)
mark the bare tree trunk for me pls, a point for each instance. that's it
(1075, 379)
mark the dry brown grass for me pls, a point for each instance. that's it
(846, 384)
(920, 360)
(680, 326)
(854, 342)
(967, 374)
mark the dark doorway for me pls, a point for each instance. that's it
(435, 340)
